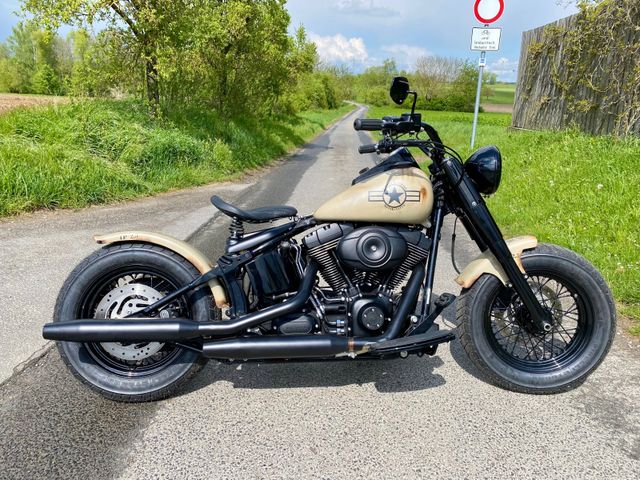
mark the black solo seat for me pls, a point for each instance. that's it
(257, 215)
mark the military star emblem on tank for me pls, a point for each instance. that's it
(394, 196)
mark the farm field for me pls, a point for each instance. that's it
(10, 101)
(500, 94)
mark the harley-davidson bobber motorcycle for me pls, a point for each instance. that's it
(354, 280)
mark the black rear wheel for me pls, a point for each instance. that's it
(499, 337)
(118, 281)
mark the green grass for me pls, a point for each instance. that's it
(500, 93)
(567, 188)
(91, 152)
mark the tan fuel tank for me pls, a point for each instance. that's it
(403, 195)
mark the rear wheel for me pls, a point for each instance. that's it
(497, 333)
(118, 281)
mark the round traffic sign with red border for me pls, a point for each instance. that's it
(488, 11)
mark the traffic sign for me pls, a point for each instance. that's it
(485, 39)
(488, 11)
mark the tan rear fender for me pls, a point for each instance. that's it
(188, 252)
(487, 263)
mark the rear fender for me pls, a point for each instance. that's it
(188, 252)
(487, 263)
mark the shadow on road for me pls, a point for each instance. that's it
(396, 375)
(457, 352)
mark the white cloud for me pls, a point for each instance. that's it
(507, 70)
(364, 7)
(340, 49)
(405, 55)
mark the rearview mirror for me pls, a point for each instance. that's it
(399, 90)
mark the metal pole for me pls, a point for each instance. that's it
(483, 56)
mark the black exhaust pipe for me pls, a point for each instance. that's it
(176, 329)
(314, 346)
(281, 347)
(138, 330)
(243, 348)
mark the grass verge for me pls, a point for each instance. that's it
(567, 188)
(91, 152)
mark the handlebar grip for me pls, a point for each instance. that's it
(373, 148)
(370, 124)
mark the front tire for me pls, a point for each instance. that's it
(114, 282)
(496, 333)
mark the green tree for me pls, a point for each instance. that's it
(5, 69)
(21, 65)
(147, 23)
(240, 50)
(45, 79)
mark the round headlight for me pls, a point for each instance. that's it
(485, 169)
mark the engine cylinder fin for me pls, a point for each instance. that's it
(329, 269)
(414, 256)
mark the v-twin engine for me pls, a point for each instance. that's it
(367, 258)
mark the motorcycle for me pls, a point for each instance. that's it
(138, 318)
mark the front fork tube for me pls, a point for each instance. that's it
(427, 288)
(488, 232)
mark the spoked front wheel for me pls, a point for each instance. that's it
(497, 333)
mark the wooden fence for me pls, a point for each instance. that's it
(570, 77)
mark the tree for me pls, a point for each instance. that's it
(240, 57)
(146, 22)
(434, 74)
(21, 50)
(45, 79)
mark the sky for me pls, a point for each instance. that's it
(362, 33)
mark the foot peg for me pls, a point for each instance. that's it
(440, 303)
(444, 300)
(425, 342)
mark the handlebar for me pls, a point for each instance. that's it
(388, 146)
(373, 148)
(394, 126)
(369, 124)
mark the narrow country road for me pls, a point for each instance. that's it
(415, 418)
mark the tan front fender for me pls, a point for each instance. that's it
(487, 263)
(188, 252)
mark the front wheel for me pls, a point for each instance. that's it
(497, 333)
(118, 281)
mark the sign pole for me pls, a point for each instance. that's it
(483, 40)
(481, 65)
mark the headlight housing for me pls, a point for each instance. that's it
(484, 167)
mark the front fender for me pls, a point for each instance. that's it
(198, 259)
(487, 263)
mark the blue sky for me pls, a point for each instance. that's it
(360, 33)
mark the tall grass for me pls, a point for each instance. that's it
(92, 152)
(567, 188)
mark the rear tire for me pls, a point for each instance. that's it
(496, 334)
(131, 372)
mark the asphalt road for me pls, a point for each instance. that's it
(416, 418)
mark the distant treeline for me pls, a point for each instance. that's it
(442, 83)
(235, 57)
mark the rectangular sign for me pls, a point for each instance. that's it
(485, 39)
